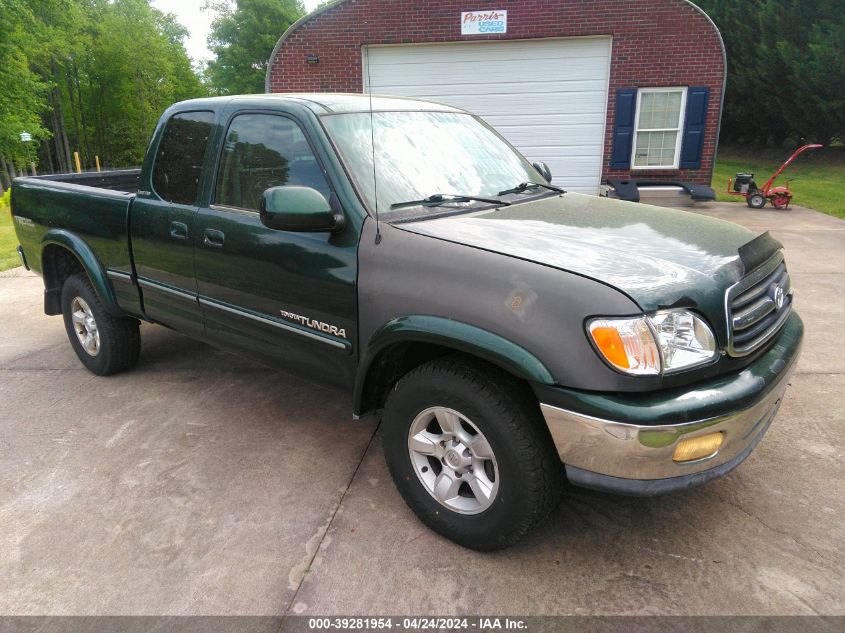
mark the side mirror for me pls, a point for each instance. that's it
(544, 170)
(299, 209)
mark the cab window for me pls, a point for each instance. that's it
(180, 155)
(263, 151)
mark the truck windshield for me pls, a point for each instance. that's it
(419, 154)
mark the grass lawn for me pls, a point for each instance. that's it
(820, 175)
(8, 240)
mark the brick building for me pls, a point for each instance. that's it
(596, 88)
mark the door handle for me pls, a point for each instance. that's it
(213, 238)
(178, 230)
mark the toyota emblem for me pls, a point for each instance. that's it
(778, 296)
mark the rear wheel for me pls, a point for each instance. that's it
(756, 200)
(467, 449)
(104, 343)
(781, 202)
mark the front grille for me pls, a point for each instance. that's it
(758, 306)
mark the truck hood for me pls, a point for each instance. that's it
(659, 257)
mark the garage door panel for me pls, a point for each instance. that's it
(531, 103)
(556, 119)
(504, 105)
(580, 185)
(572, 103)
(596, 86)
(506, 74)
(570, 138)
(489, 62)
(547, 97)
(552, 154)
(485, 52)
(569, 174)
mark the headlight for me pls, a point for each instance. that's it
(685, 340)
(666, 342)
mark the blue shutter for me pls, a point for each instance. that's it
(623, 129)
(696, 123)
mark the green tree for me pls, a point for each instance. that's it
(242, 38)
(786, 69)
(86, 76)
(804, 55)
(137, 67)
(23, 93)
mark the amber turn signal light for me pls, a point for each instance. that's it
(611, 345)
(627, 344)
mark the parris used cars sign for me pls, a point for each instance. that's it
(484, 22)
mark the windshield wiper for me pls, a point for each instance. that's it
(444, 198)
(525, 186)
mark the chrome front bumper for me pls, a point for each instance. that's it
(633, 459)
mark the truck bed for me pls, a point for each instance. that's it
(89, 208)
(123, 180)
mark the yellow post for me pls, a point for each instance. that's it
(78, 165)
(97, 160)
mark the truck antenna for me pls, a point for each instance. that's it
(373, 143)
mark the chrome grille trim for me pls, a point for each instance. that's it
(753, 316)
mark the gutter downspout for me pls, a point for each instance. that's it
(724, 81)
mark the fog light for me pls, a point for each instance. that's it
(698, 447)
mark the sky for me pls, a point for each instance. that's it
(198, 22)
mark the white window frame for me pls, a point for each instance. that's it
(681, 124)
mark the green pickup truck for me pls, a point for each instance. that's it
(510, 335)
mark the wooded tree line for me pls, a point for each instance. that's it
(94, 75)
(86, 75)
(786, 77)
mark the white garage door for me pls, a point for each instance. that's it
(548, 97)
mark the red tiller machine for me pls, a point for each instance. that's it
(755, 197)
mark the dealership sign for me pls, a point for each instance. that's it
(484, 22)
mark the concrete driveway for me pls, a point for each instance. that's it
(201, 483)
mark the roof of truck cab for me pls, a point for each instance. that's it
(328, 103)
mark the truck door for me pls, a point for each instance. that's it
(163, 223)
(284, 297)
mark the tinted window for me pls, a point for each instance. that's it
(263, 151)
(180, 155)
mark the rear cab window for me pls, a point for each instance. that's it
(179, 159)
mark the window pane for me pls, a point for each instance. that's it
(655, 149)
(263, 151)
(178, 163)
(660, 110)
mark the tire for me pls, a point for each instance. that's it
(509, 481)
(756, 200)
(105, 344)
(781, 202)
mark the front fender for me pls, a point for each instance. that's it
(456, 335)
(90, 263)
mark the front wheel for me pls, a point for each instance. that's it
(104, 343)
(756, 200)
(467, 449)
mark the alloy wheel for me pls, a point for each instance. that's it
(453, 460)
(85, 326)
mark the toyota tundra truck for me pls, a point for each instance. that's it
(510, 336)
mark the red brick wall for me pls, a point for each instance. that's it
(655, 43)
